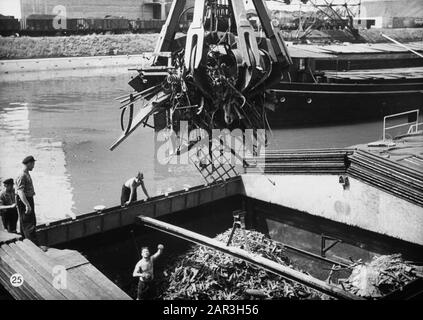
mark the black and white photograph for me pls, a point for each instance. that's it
(211, 157)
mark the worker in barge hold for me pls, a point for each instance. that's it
(129, 189)
(144, 270)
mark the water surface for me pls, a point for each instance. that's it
(68, 125)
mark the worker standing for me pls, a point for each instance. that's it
(25, 201)
(129, 189)
(144, 270)
(8, 211)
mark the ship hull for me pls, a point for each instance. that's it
(308, 104)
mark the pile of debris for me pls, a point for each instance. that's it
(381, 276)
(204, 273)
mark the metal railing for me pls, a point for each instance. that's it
(410, 130)
(414, 128)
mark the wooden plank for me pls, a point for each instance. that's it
(39, 284)
(72, 285)
(36, 255)
(91, 289)
(72, 259)
(19, 293)
(112, 289)
(67, 258)
(33, 288)
(45, 276)
(89, 272)
(30, 284)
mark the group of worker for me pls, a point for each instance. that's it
(18, 203)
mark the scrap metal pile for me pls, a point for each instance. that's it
(203, 273)
(381, 276)
(215, 77)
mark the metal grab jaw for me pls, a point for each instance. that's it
(239, 222)
(195, 38)
(215, 77)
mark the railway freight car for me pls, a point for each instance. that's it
(49, 25)
(116, 24)
(139, 26)
(39, 24)
(9, 25)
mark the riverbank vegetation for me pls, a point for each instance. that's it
(75, 46)
(100, 45)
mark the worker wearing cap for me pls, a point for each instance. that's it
(25, 200)
(8, 211)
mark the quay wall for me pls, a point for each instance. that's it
(360, 205)
(38, 69)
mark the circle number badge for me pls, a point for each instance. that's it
(16, 280)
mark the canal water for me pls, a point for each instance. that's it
(69, 123)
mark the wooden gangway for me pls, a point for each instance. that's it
(39, 269)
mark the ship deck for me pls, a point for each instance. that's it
(334, 50)
(38, 268)
(405, 150)
(376, 74)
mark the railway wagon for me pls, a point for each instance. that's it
(146, 25)
(115, 24)
(8, 25)
(40, 24)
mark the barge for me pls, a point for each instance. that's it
(337, 83)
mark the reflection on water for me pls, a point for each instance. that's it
(68, 125)
(52, 180)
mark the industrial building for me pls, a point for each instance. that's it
(130, 9)
(390, 13)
